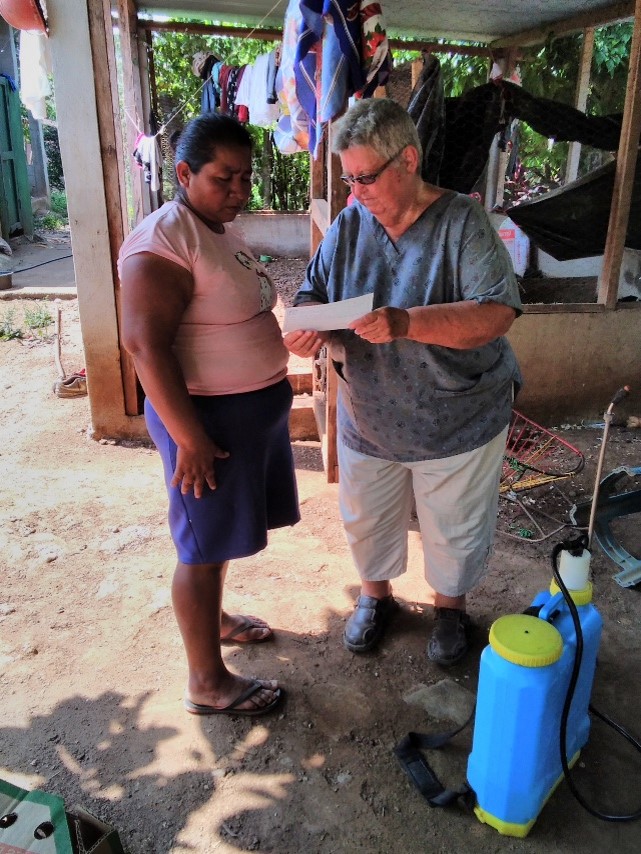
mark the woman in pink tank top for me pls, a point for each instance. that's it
(197, 319)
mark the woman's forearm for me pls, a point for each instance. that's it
(460, 325)
(163, 382)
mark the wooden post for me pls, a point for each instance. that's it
(80, 47)
(318, 193)
(624, 176)
(580, 100)
(133, 100)
(318, 223)
(337, 193)
(115, 189)
(416, 68)
(508, 64)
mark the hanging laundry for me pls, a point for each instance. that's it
(243, 91)
(211, 95)
(205, 65)
(427, 109)
(273, 64)
(148, 156)
(223, 82)
(311, 51)
(240, 91)
(10, 81)
(35, 68)
(293, 125)
(202, 63)
(342, 50)
(376, 57)
(233, 81)
(262, 112)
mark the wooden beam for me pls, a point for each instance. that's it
(111, 147)
(447, 47)
(580, 100)
(319, 215)
(276, 35)
(133, 100)
(89, 158)
(566, 308)
(337, 193)
(318, 207)
(319, 223)
(554, 29)
(508, 64)
(271, 35)
(624, 175)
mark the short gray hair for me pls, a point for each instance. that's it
(379, 123)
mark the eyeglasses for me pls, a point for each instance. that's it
(371, 178)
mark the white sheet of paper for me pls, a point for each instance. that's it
(334, 315)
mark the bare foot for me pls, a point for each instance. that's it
(238, 628)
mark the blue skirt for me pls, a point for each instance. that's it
(255, 485)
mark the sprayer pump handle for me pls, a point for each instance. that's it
(620, 395)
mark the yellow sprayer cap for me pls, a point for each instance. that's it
(526, 640)
(579, 597)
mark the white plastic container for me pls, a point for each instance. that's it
(517, 244)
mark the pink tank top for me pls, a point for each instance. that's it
(228, 340)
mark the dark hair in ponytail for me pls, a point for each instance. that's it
(199, 139)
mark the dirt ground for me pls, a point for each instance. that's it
(92, 669)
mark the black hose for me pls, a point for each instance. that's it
(578, 655)
(41, 264)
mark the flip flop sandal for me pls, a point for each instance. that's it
(247, 624)
(198, 709)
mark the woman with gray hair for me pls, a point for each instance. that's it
(426, 379)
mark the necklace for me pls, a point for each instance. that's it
(216, 227)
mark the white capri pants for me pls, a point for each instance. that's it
(456, 504)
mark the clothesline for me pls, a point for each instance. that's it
(329, 52)
(186, 103)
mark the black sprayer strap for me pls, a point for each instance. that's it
(412, 761)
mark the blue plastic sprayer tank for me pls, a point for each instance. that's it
(515, 763)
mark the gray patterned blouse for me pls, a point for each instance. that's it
(407, 401)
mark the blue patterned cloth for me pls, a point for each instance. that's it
(406, 401)
(334, 60)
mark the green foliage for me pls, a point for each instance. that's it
(50, 222)
(24, 121)
(281, 182)
(59, 203)
(612, 49)
(57, 219)
(36, 320)
(8, 331)
(54, 161)
(551, 71)
(610, 69)
(290, 181)
(461, 73)
(38, 317)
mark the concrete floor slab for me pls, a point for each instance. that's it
(40, 269)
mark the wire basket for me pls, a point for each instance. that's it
(535, 456)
